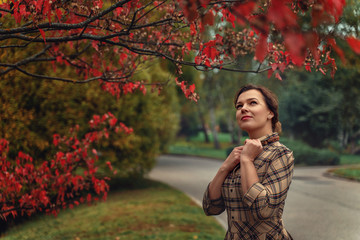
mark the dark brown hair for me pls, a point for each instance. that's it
(271, 102)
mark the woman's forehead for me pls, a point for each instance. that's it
(249, 95)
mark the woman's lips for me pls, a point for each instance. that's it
(245, 117)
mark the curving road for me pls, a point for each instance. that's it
(317, 207)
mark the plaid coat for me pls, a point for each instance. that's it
(257, 214)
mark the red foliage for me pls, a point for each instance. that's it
(123, 35)
(354, 44)
(261, 48)
(27, 188)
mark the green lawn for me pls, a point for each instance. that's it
(350, 167)
(197, 147)
(349, 172)
(202, 151)
(152, 211)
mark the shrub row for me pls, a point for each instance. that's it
(307, 155)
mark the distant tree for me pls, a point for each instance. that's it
(309, 109)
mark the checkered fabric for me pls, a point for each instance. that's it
(257, 214)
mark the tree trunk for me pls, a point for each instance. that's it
(353, 140)
(213, 127)
(203, 125)
(229, 122)
(234, 134)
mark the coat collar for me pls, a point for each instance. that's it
(270, 138)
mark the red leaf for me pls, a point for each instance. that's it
(339, 52)
(207, 62)
(58, 13)
(261, 48)
(243, 10)
(210, 51)
(197, 60)
(229, 17)
(112, 122)
(312, 42)
(56, 138)
(188, 45)
(322, 71)
(42, 34)
(208, 19)
(281, 15)
(295, 43)
(277, 75)
(334, 7)
(219, 39)
(108, 163)
(98, 4)
(192, 88)
(189, 9)
(204, 3)
(354, 44)
(193, 29)
(38, 5)
(94, 151)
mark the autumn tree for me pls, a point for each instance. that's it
(109, 41)
(121, 35)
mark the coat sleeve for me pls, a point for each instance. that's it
(212, 206)
(264, 199)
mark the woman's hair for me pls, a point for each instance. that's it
(271, 102)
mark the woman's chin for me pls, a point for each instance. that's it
(245, 127)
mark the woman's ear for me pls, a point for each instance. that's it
(271, 115)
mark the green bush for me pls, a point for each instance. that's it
(30, 118)
(307, 155)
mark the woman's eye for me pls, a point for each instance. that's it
(253, 103)
(238, 106)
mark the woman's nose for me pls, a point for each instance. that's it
(244, 108)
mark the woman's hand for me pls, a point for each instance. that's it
(251, 150)
(233, 159)
(228, 165)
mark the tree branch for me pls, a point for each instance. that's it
(64, 26)
(23, 62)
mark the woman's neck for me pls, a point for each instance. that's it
(259, 133)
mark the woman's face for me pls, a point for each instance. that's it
(252, 114)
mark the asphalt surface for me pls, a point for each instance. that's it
(318, 207)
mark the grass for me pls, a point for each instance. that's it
(196, 146)
(152, 211)
(195, 150)
(349, 172)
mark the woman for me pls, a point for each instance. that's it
(253, 181)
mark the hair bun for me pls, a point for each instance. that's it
(278, 127)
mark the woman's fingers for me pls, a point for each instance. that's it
(252, 148)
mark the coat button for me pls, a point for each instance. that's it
(230, 190)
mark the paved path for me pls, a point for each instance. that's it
(317, 207)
